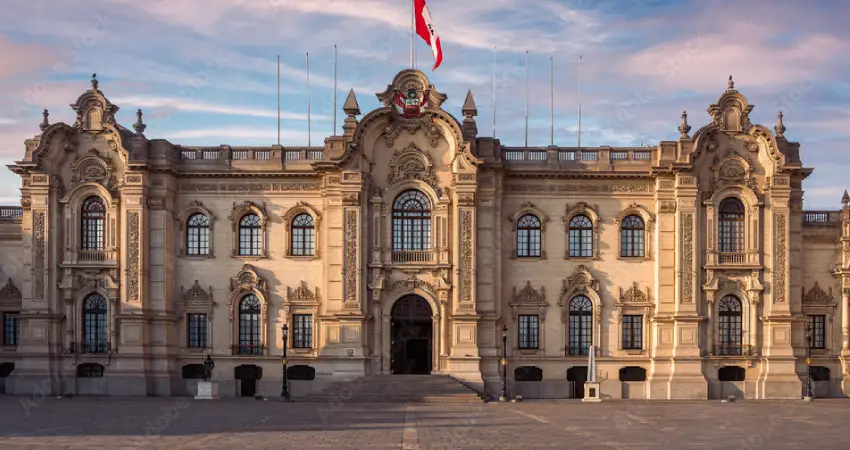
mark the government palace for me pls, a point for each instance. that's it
(408, 244)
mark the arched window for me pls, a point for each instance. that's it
(581, 323)
(632, 232)
(411, 222)
(730, 232)
(94, 224)
(250, 236)
(249, 326)
(731, 330)
(581, 237)
(528, 242)
(95, 324)
(303, 239)
(198, 235)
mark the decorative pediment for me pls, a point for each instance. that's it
(634, 296)
(410, 283)
(302, 294)
(412, 163)
(248, 280)
(10, 291)
(94, 167)
(580, 282)
(411, 94)
(817, 295)
(732, 170)
(529, 208)
(581, 208)
(101, 280)
(94, 110)
(192, 208)
(732, 112)
(529, 296)
(246, 207)
(196, 298)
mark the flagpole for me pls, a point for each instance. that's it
(335, 87)
(580, 68)
(526, 98)
(412, 31)
(278, 99)
(494, 92)
(552, 101)
(309, 140)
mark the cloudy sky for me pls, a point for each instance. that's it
(204, 71)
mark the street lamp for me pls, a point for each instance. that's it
(807, 393)
(504, 363)
(284, 388)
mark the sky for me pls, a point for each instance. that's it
(204, 71)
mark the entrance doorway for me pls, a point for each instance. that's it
(411, 336)
(577, 376)
(248, 376)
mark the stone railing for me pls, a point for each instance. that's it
(733, 350)
(97, 256)
(11, 212)
(821, 218)
(731, 258)
(564, 157)
(190, 155)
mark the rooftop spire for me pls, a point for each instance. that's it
(469, 109)
(684, 128)
(44, 123)
(94, 81)
(846, 198)
(351, 107)
(731, 86)
(780, 127)
(139, 126)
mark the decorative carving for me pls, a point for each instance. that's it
(196, 297)
(351, 198)
(585, 187)
(466, 256)
(302, 294)
(780, 268)
(10, 291)
(133, 179)
(133, 256)
(248, 281)
(410, 94)
(351, 266)
(156, 203)
(633, 295)
(351, 176)
(466, 199)
(667, 185)
(687, 258)
(412, 282)
(529, 295)
(818, 295)
(667, 206)
(466, 177)
(38, 254)
(581, 282)
(251, 187)
(412, 163)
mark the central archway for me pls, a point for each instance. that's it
(411, 336)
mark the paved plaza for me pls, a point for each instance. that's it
(79, 423)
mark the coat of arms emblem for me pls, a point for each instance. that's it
(411, 104)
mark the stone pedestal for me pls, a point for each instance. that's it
(591, 392)
(207, 390)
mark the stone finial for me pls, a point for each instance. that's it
(731, 86)
(351, 107)
(44, 123)
(684, 128)
(139, 126)
(780, 127)
(469, 109)
(845, 199)
(94, 82)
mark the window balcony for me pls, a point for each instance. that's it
(91, 348)
(731, 258)
(413, 257)
(97, 256)
(247, 349)
(733, 350)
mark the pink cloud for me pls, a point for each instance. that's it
(22, 59)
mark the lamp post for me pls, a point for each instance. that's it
(504, 363)
(284, 388)
(807, 392)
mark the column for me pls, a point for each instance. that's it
(845, 319)
(710, 324)
(386, 347)
(436, 337)
(754, 309)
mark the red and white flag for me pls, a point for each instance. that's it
(425, 29)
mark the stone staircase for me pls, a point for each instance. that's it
(396, 388)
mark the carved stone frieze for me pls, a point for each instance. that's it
(351, 266)
(410, 283)
(250, 187)
(584, 187)
(411, 163)
(780, 266)
(38, 254)
(466, 199)
(633, 295)
(351, 198)
(10, 291)
(133, 263)
(687, 258)
(156, 203)
(528, 297)
(667, 206)
(302, 294)
(817, 295)
(466, 244)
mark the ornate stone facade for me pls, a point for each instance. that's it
(409, 216)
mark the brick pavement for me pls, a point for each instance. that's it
(230, 423)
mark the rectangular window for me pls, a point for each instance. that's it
(197, 330)
(11, 328)
(529, 332)
(632, 332)
(302, 334)
(817, 325)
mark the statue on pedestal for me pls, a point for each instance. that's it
(209, 365)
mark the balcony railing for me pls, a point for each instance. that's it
(413, 256)
(731, 258)
(245, 349)
(90, 348)
(733, 350)
(11, 212)
(96, 256)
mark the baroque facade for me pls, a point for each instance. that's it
(410, 244)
